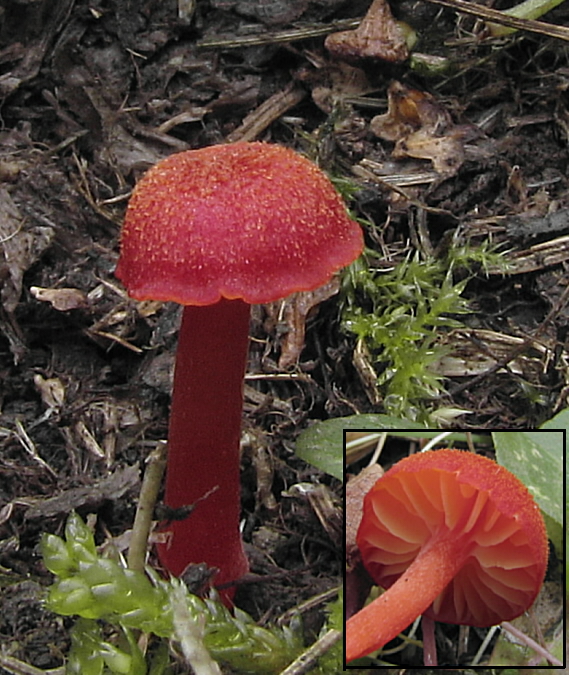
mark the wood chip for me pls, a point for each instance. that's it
(112, 488)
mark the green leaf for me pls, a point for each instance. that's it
(72, 596)
(322, 444)
(56, 556)
(549, 441)
(536, 459)
(561, 421)
(79, 538)
(117, 660)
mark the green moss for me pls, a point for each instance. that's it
(403, 315)
(97, 589)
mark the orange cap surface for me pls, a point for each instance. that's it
(252, 221)
(485, 513)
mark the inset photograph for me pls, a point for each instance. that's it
(454, 548)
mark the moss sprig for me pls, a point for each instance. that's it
(403, 315)
(96, 588)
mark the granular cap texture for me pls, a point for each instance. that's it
(249, 221)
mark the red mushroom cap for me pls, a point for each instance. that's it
(248, 221)
(486, 513)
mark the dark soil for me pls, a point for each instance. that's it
(91, 95)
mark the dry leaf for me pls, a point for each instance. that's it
(420, 127)
(62, 299)
(379, 36)
(342, 81)
(356, 490)
(325, 506)
(52, 391)
(445, 152)
(409, 110)
(271, 12)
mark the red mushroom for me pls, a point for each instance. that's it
(451, 535)
(217, 229)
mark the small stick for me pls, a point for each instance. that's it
(269, 111)
(146, 501)
(509, 628)
(495, 16)
(429, 642)
(307, 659)
(17, 667)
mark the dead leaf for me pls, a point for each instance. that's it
(356, 490)
(85, 438)
(62, 299)
(476, 351)
(342, 81)
(362, 361)
(271, 12)
(409, 110)
(421, 127)
(379, 36)
(254, 443)
(445, 152)
(52, 391)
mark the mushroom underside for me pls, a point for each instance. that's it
(500, 572)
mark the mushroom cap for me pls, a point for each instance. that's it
(487, 514)
(252, 221)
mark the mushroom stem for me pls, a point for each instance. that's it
(411, 595)
(204, 435)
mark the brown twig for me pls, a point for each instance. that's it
(494, 16)
(308, 658)
(520, 349)
(17, 667)
(268, 112)
(274, 37)
(146, 502)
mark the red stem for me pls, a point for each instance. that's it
(384, 618)
(203, 443)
